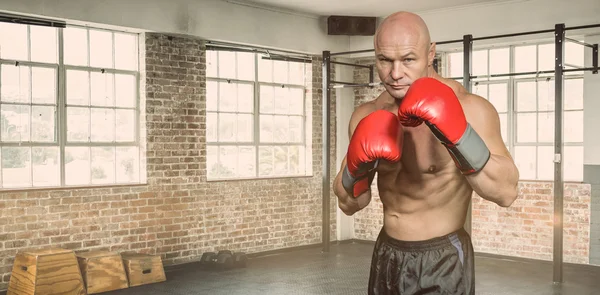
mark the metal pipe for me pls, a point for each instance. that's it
(595, 58)
(579, 42)
(326, 148)
(352, 52)
(467, 65)
(583, 27)
(513, 35)
(448, 42)
(343, 83)
(349, 64)
(559, 42)
(371, 74)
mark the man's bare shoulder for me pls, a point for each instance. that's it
(366, 108)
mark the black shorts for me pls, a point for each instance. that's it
(443, 265)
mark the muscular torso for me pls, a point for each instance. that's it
(424, 195)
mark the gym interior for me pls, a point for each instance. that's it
(147, 147)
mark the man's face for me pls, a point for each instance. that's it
(401, 63)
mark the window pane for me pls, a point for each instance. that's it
(267, 94)
(294, 159)
(245, 98)
(15, 122)
(78, 87)
(296, 101)
(265, 69)
(228, 160)
(546, 95)
(78, 124)
(266, 128)
(503, 126)
(44, 45)
(281, 129)
(573, 126)
(545, 163)
(499, 61)
(546, 57)
(226, 64)
(526, 96)
(280, 160)
(43, 88)
(499, 96)
(573, 163)
(16, 167)
(101, 49)
(15, 84)
(13, 41)
(245, 66)
(480, 62)
(125, 124)
(281, 103)
(103, 125)
(573, 94)
(126, 57)
(211, 127)
(481, 90)
(227, 127)
(526, 127)
(212, 94)
(212, 166)
(227, 97)
(127, 165)
(46, 166)
(211, 63)
(247, 161)
(525, 157)
(103, 87)
(297, 73)
(295, 131)
(43, 124)
(75, 46)
(574, 54)
(456, 64)
(280, 71)
(265, 161)
(525, 58)
(546, 127)
(77, 165)
(126, 93)
(103, 165)
(245, 128)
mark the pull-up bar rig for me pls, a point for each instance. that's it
(467, 40)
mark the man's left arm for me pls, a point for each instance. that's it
(497, 180)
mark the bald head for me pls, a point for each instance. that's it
(402, 28)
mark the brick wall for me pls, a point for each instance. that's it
(525, 229)
(178, 215)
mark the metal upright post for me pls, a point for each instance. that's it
(467, 56)
(326, 149)
(559, 41)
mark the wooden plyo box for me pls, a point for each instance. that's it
(102, 271)
(46, 271)
(143, 269)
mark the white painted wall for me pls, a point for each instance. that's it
(502, 18)
(344, 108)
(208, 19)
(591, 107)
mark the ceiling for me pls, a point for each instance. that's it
(376, 8)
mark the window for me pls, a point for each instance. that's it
(257, 114)
(525, 104)
(64, 93)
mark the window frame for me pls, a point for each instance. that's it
(60, 116)
(256, 114)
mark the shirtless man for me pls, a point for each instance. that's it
(431, 144)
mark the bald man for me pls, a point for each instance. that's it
(431, 144)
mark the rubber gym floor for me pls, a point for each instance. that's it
(345, 270)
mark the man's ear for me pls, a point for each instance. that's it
(431, 54)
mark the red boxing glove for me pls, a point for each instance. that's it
(429, 100)
(377, 136)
